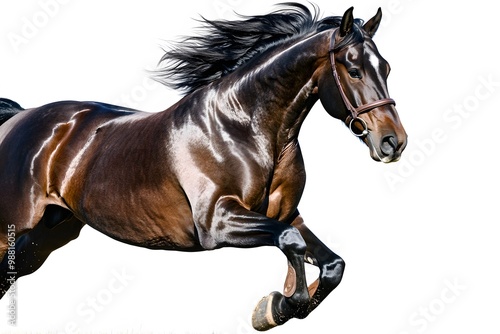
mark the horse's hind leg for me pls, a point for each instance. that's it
(57, 227)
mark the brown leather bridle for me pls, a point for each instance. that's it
(355, 111)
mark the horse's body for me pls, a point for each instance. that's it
(222, 167)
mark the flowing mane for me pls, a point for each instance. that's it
(223, 45)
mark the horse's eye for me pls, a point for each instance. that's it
(354, 73)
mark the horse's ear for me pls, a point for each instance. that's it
(372, 25)
(347, 22)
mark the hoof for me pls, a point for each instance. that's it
(262, 318)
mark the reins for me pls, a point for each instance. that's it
(355, 111)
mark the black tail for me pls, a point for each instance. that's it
(8, 109)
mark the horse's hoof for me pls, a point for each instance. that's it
(262, 318)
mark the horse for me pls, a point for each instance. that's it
(222, 167)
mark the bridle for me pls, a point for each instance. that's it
(355, 111)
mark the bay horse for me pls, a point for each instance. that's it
(220, 168)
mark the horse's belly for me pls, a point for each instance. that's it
(170, 229)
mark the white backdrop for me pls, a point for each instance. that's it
(420, 236)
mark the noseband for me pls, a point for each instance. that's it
(355, 112)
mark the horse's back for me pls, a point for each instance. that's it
(31, 126)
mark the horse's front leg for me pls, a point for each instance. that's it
(235, 226)
(331, 265)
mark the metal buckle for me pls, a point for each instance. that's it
(356, 132)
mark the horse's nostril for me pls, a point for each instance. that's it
(389, 145)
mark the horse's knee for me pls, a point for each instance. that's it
(332, 272)
(291, 239)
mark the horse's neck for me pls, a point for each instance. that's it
(278, 93)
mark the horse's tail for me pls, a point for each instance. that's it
(8, 109)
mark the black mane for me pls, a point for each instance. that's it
(225, 45)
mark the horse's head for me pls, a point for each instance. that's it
(357, 91)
